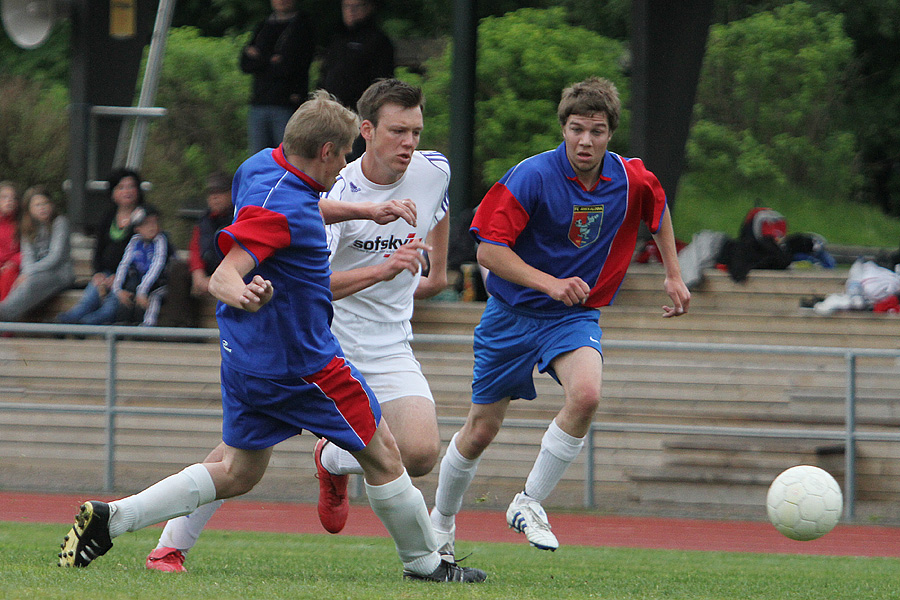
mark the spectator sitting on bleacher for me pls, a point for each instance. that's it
(113, 233)
(46, 260)
(188, 283)
(9, 236)
(203, 258)
(139, 285)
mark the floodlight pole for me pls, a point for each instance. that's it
(79, 111)
(462, 106)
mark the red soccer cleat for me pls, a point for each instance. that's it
(166, 559)
(334, 506)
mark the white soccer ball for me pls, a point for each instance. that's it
(804, 503)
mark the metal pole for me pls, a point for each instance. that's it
(151, 81)
(850, 443)
(110, 482)
(79, 114)
(462, 107)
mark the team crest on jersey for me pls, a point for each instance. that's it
(586, 223)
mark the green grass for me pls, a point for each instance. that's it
(249, 566)
(719, 205)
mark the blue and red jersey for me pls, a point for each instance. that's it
(277, 221)
(543, 213)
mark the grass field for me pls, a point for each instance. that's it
(250, 566)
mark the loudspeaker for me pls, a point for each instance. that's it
(28, 22)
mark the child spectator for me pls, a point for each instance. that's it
(139, 285)
(46, 268)
(113, 233)
(9, 236)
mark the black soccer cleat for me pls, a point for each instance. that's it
(449, 572)
(89, 536)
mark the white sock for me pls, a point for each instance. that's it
(174, 496)
(454, 479)
(401, 508)
(558, 450)
(338, 461)
(182, 532)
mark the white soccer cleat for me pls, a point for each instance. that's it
(527, 516)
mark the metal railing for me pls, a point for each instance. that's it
(849, 435)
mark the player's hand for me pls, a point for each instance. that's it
(142, 300)
(256, 294)
(569, 291)
(680, 295)
(407, 257)
(390, 211)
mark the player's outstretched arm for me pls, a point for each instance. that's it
(674, 284)
(439, 240)
(335, 211)
(505, 263)
(228, 286)
(407, 257)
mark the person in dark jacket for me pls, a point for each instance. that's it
(359, 54)
(278, 57)
(188, 283)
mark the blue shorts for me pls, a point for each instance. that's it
(511, 341)
(335, 403)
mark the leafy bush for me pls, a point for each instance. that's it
(525, 59)
(770, 99)
(206, 96)
(34, 134)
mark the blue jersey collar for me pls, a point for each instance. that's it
(278, 156)
(569, 172)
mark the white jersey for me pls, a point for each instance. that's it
(363, 243)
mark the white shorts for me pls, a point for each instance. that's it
(381, 352)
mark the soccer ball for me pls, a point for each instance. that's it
(804, 503)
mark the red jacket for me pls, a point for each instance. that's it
(9, 241)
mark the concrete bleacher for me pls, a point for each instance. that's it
(634, 473)
(696, 475)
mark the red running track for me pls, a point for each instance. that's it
(483, 526)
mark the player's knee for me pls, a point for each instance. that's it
(482, 433)
(238, 482)
(420, 461)
(584, 399)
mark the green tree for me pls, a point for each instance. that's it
(34, 133)
(48, 63)
(205, 127)
(874, 96)
(769, 103)
(525, 59)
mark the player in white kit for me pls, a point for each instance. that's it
(377, 271)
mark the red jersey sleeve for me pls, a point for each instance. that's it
(257, 230)
(647, 192)
(500, 217)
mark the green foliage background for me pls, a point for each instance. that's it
(795, 101)
(769, 102)
(525, 59)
